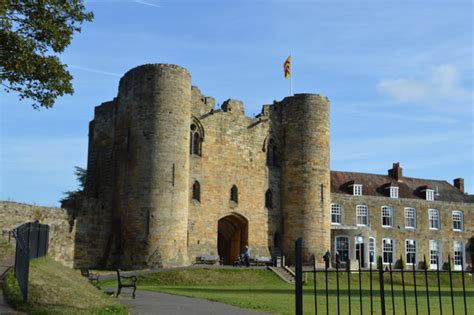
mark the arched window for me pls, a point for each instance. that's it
(197, 191)
(269, 199)
(195, 141)
(234, 194)
(272, 154)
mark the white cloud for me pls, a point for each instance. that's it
(147, 3)
(442, 83)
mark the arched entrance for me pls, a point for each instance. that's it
(232, 236)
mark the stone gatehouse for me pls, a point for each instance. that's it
(170, 178)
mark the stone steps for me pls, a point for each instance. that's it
(284, 273)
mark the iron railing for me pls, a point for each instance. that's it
(386, 298)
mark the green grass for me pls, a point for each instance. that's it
(261, 290)
(55, 289)
(6, 250)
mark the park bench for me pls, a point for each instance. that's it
(263, 261)
(126, 282)
(209, 260)
(92, 277)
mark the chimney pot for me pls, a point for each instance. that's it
(396, 171)
(459, 184)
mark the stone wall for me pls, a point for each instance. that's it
(61, 234)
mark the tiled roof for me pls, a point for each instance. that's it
(377, 185)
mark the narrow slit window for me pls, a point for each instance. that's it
(197, 191)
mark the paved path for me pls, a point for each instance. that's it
(4, 307)
(159, 303)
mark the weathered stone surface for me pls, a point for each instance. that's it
(61, 229)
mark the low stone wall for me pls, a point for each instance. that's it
(61, 234)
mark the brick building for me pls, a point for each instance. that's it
(170, 178)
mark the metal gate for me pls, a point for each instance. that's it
(31, 242)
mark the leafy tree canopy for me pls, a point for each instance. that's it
(71, 201)
(32, 33)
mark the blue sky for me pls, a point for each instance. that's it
(399, 75)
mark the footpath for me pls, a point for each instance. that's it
(5, 265)
(159, 303)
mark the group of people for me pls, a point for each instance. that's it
(245, 258)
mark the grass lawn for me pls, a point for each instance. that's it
(55, 289)
(261, 290)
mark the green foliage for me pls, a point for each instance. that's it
(400, 264)
(71, 201)
(32, 33)
(379, 262)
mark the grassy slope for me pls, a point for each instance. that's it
(55, 289)
(6, 249)
(263, 291)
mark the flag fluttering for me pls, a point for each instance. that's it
(287, 67)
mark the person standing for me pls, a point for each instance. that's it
(247, 255)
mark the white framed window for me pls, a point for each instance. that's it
(435, 254)
(387, 250)
(336, 213)
(458, 220)
(433, 216)
(357, 189)
(393, 192)
(362, 215)
(458, 248)
(372, 250)
(410, 252)
(342, 247)
(410, 218)
(430, 194)
(387, 216)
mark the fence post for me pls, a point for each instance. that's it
(298, 277)
(314, 284)
(382, 290)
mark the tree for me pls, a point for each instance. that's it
(71, 202)
(32, 33)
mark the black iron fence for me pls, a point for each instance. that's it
(31, 242)
(383, 289)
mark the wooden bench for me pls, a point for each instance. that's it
(262, 261)
(209, 260)
(126, 282)
(92, 277)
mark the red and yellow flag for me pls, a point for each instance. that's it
(287, 67)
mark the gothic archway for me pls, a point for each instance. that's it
(232, 236)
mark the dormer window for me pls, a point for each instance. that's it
(430, 194)
(357, 189)
(393, 192)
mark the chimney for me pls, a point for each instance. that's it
(396, 171)
(459, 184)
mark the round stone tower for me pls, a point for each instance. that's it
(152, 127)
(305, 178)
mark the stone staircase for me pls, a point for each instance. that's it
(285, 273)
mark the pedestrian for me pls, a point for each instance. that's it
(247, 255)
(327, 258)
(338, 259)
